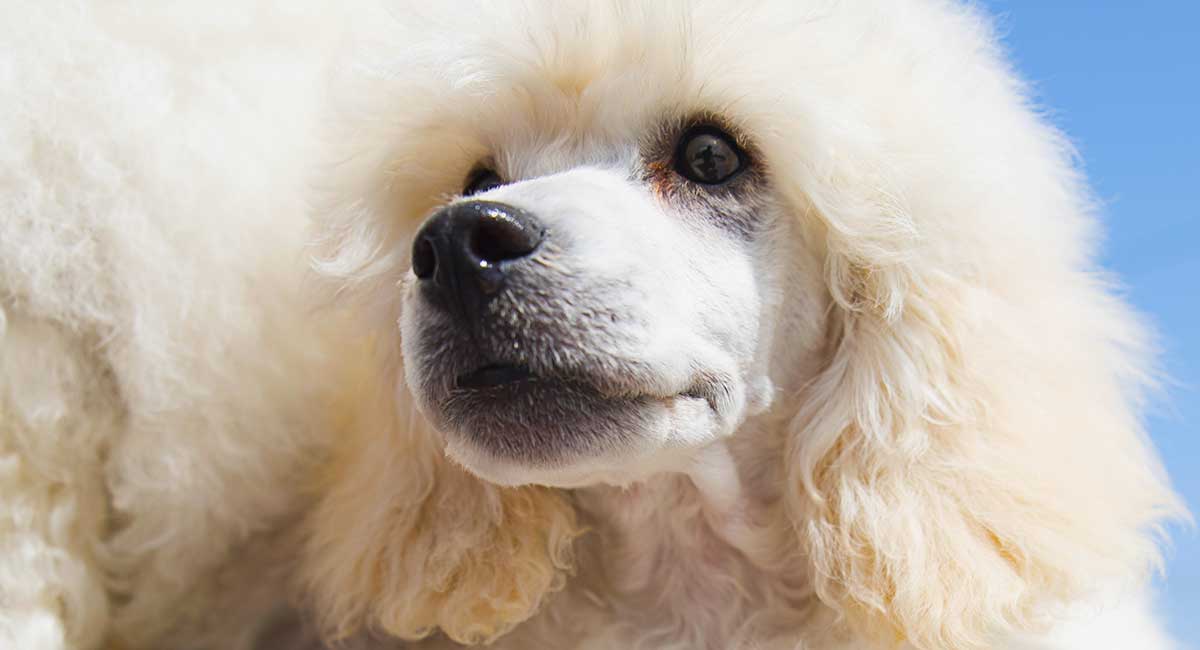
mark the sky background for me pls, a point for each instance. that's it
(1122, 79)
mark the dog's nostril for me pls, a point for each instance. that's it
(502, 235)
(424, 258)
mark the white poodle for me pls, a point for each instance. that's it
(719, 325)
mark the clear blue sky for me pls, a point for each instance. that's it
(1122, 79)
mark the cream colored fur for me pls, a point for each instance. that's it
(195, 454)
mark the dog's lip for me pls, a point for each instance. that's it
(499, 375)
(494, 374)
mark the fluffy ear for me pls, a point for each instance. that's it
(970, 456)
(401, 540)
(404, 542)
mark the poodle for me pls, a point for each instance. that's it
(577, 325)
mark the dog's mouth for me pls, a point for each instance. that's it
(493, 375)
(517, 376)
(540, 415)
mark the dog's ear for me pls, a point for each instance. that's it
(970, 454)
(401, 540)
(404, 542)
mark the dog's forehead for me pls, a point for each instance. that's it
(596, 76)
(589, 110)
(534, 89)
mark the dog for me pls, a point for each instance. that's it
(579, 325)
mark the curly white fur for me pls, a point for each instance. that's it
(940, 447)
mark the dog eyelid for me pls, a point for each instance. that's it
(481, 180)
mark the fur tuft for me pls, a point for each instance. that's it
(407, 543)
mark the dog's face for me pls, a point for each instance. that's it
(606, 223)
(597, 284)
(599, 300)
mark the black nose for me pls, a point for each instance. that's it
(463, 251)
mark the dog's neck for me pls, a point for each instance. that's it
(686, 547)
(708, 487)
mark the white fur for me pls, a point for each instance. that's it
(932, 435)
(158, 370)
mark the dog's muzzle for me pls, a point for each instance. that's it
(524, 355)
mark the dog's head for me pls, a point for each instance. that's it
(600, 299)
(599, 237)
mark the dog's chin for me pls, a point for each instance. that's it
(511, 427)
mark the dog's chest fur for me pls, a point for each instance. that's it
(662, 566)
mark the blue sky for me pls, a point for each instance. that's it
(1122, 79)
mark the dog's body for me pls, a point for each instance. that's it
(862, 391)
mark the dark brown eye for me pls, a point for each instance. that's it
(481, 180)
(708, 156)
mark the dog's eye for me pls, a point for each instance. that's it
(481, 180)
(708, 156)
